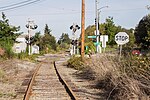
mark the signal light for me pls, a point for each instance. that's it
(74, 42)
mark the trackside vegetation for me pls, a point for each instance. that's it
(126, 78)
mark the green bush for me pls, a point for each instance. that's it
(76, 63)
(22, 55)
(8, 51)
(26, 56)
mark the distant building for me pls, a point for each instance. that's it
(20, 45)
(34, 49)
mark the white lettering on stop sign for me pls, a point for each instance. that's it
(122, 38)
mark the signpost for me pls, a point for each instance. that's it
(104, 39)
(97, 44)
(121, 38)
(92, 36)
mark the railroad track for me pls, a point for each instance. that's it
(47, 84)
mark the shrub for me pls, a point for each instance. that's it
(75, 62)
(125, 80)
(8, 52)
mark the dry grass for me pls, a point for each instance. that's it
(12, 75)
(125, 80)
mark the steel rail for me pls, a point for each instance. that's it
(68, 89)
(28, 91)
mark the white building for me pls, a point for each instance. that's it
(34, 49)
(21, 45)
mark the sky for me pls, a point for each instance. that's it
(61, 14)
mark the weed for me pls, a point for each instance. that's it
(75, 62)
(2, 73)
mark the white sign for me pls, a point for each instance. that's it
(104, 39)
(122, 38)
(35, 49)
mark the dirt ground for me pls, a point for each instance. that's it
(12, 74)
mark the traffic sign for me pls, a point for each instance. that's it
(97, 43)
(92, 36)
(104, 39)
(122, 38)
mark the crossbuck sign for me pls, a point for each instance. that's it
(122, 38)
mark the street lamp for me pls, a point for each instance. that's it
(99, 10)
(98, 48)
(102, 8)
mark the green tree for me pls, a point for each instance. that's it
(89, 32)
(48, 41)
(7, 35)
(7, 32)
(110, 30)
(142, 32)
(64, 39)
(34, 39)
(37, 38)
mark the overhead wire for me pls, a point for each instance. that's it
(17, 5)
(27, 2)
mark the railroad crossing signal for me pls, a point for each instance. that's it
(74, 42)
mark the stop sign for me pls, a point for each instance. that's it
(122, 38)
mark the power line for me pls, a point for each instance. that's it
(21, 5)
(15, 4)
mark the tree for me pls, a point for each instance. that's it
(34, 39)
(37, 38)
(7, 35)
(64, 39)
(48, 41)
(110, 30)
(89, 32)
(142, 32)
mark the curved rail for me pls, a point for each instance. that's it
(27, 94)
(68, 89)
(66, 86)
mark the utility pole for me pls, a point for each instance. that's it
(82, 29)
(97, 30)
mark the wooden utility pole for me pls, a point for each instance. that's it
(82, 29)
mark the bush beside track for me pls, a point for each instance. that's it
(128, 79)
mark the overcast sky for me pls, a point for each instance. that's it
(61, 14)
